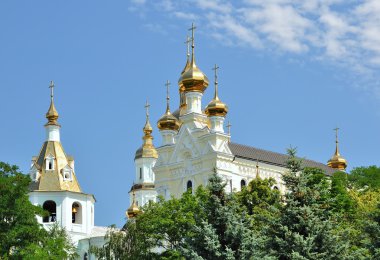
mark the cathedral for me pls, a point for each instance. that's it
(195, 145)
(55, 187)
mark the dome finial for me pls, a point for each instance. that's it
(167, 84)
(215, 69)
(192, 29)
(337, 161)
(52, 114)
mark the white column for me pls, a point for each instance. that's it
(194, 102)
(217, 124)
(52, 133)
(168, 137)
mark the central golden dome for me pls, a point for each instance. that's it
(193, 79)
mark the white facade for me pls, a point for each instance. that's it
(78, 225)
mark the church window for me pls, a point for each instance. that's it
(50, 162)
(189, 185)
(242, 184)
(140, 173)
(76, 213)
(67, 174)
(51, 208)
(85, 257)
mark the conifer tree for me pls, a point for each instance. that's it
(305, 227)
(224, 233)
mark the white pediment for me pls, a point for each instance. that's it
(186, 147)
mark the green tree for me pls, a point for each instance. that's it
(259, 196)
(363, 177)
(224, 232)
(20, 234)
(55, 245)
(305, 227)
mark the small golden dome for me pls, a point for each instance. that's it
(147, 150)
(168, 121)
(216, 107)
(337, 161)
(133, 210)
(52, 113)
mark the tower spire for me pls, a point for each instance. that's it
(52, 114)
(147, 149)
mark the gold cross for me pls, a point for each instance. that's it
(167, 84)
(215, 69)
(229, 127)
(192, 29)
(147, 105)
(51, 86)
(336, 133)
(187, 42)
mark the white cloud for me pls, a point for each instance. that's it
(345, 32)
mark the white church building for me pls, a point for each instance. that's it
(195, 145)
(56, 189)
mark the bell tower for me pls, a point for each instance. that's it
(55, 186)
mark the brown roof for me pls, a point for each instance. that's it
(273, 158)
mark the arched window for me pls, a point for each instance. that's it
(140, 173)
(50, 162)
(242, 184)
(50, 207)
(85, 256)
(76, 213)
(189, 185)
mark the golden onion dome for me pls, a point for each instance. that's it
(216, 107)
(168, 121)
(147, 150)
(133, 210)
(193, 79)
(337, 161)
(52, 113)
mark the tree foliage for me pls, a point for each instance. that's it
(21, 237)
(319, 217)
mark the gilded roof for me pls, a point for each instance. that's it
(273, 158)
(52, 180)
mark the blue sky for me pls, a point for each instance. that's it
(289, 71)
